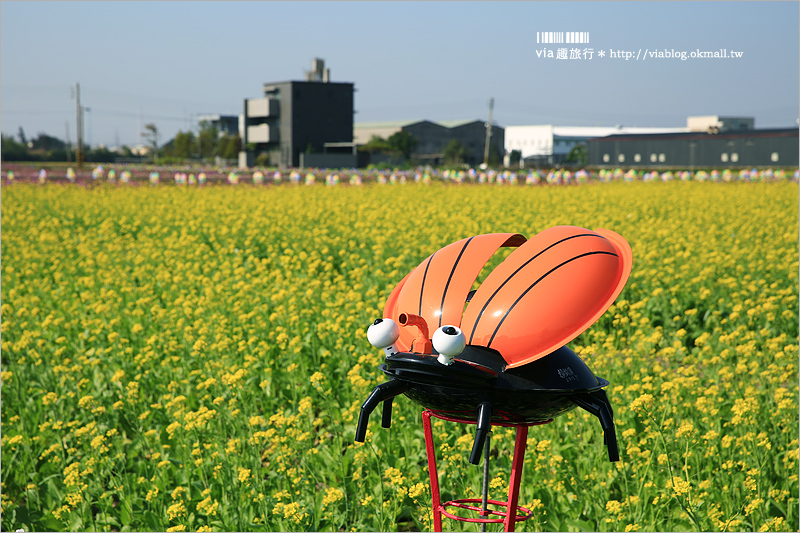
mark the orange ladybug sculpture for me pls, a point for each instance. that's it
(497, 353)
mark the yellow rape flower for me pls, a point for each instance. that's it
(175, 510)
(49, 398)
(172, 428)
(208, 508)
(680, 486)
(614, 507)
(332, 495)
(394, 475)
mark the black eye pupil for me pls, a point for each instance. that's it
(377, 321)
(450, 330)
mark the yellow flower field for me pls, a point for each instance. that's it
(182, 359)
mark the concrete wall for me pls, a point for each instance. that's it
(757, 148)
(328, 160)
(530, 140)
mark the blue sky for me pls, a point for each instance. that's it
(171, 61)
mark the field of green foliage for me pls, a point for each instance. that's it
(178, 359)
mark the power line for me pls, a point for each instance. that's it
(35, 112)
(131, 114)
(162, 98)
(96, 110)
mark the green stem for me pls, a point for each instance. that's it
(685, 508)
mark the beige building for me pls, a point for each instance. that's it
(717, 124)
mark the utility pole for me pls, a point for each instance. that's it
(69, 147)
(79, 152)
(88, 110)
(488, 133)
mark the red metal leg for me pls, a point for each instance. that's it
(520, 444)
(431, 453)
(509, 517)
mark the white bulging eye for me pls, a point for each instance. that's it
(449, 341)
(383, 333)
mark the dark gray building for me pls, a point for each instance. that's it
(472, 136)
(746, 148)
(295, 117)
(433, 137)
(225, 124)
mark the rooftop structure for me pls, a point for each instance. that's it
(296, 117)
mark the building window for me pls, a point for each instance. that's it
(774, 157)
(734, 157)
(621, 158)
(662, 158)
(637, 157)
(724, 158)
(606, 158)
(653, 158)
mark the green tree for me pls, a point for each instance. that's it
(454, 152)
(263, 159)
(230, 146)
(150, 134)
(577, 155)
(46, 142)
(125, 151)
(12, 150)
(514, 158)
(100, 155)
(402, 142)
(376, 145)
(184, 144)
(208, 140)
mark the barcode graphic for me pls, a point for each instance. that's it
(560, 37)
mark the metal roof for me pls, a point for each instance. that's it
(404, 123)
(455, 123)
(378, 125)
(595, 131)
(772, 132)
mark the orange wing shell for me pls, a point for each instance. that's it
(437, 289)
(545, 293)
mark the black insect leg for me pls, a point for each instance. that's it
(382, 393)
(484, 426)
(597, 403)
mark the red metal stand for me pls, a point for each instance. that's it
(510, 516)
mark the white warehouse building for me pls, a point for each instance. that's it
(549, 145)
